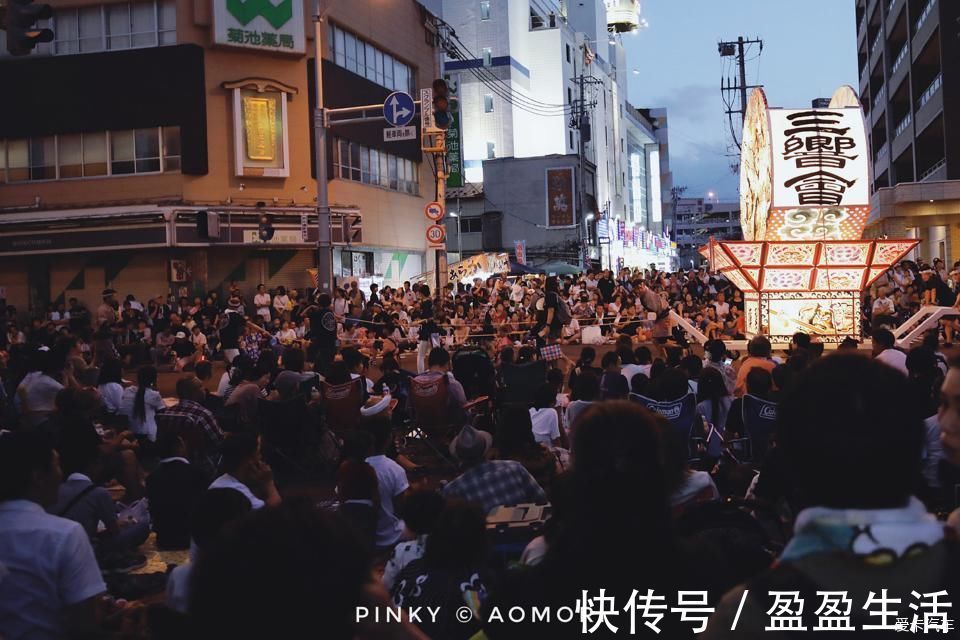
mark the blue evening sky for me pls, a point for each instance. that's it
(809, 50)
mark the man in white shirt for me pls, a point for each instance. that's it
(246, 472)
(883, 307)
(884, 350)
(51, 582)
(262, 302)
(391, 480)
(722, 306)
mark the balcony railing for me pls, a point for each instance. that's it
(900, 58)
(890, 6)
(923, 16)
(903, 125)
(932, 170)
(876, 41)
(878, 99)
(882, 153)
(930, 91)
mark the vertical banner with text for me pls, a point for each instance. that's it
(560, 199)
(520, 249)
(454, 134)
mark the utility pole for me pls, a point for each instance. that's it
(581, 190)
(737, 87)
(324, 241)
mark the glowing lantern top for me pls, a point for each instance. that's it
(804, 173)
(623, 15)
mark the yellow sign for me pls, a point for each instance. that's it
(260, 127)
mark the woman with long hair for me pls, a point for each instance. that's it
(713, 397)
(141, 402)
(110, 385)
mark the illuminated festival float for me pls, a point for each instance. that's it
(805, 197)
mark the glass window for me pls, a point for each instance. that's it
(487, 56)
(378, 71)
(488, 103)
(43, 158)
(143, 24)
(351, 52)
(484, 9)
(90, 21)
(491, 151)
(365, 165)
(384, 170)
(343, 159)
(399, 76)
(371, 63)
(66, 32)
(122, 152)
(18, 160)
(171, 148)
(70, 155)
(118, 26)
(167, 13)
(392, 169)
(355, 161)
(147, 144)
(388, 71)
(95, 154)
(340, 47)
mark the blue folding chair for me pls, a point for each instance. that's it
(680, 413)
(759, 421)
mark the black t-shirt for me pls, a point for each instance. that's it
(230, 333)
(550, 301)
(606, 287)
(323, 327)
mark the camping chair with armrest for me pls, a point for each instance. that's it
(759, 422)
(521, 381)
(289, 446)
(342, 404)
(683, 418)
(432, 422)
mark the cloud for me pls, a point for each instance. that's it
(691, 101)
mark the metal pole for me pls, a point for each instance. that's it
(324, 244)
(743, 81)
(459, 218)
(581, 109)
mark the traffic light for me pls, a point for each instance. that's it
(20, 22)
(442, 117)
(265, 229)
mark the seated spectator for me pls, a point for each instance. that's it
(613, 386)
(277, 572)
(515, 441)
(452, 572)
(190, 414)
(81, 500)
(173, 490)
(885, 350)
(716, 358)
(421, 510)
(438, 366)
(249, 390)
(860, 526)
(713, 398)
(759, 351)
(545, 418)
(391, 481)
(759, 385)
(245, 471)
(584, 364)
(357, 486)
(110, 386)
(488, 483)
(212, 512)
(141, 402)
(37, 392)
(50, 582)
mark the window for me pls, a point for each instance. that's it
(569, 95)
(568, 53)
(491, 150)
(86, 155)
(487, 57)
(355, 162)
(571, 140)
(488, 103)
(365, 59)
(484, 9)
(115, 26)
(471, 225)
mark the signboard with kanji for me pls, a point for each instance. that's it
(454, 136)
(561, 203)
(260, 24)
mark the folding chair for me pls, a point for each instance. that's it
(522, 381)
(285, 430)
(432, 422)
(759, 421)
(342, 403)
(682, 416)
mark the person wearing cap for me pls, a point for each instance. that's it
(231, 326)
(183, 349)
(489, 483)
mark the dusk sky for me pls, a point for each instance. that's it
(809, 50)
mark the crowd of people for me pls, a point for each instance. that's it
(374, 457)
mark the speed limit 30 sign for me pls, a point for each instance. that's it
(436, 234)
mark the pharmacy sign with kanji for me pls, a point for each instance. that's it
(267, 25)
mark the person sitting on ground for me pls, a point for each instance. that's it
(421, 510)
(391, 481)
(246, 395)
(860, 525)
(358, 494)
(141, 402)
(545, 418)
(759, 351)
(50, 583)
(189, 413)
(885, 350)
(613, 386)
(488, 483)
(515, 441)
(173, 490)
(452, 572)
(245, 471)
(110, 386)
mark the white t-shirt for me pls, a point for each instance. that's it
(199, 340)
(227, 481)
(883, 306)
(178, 587)
(546, 425)
(111, 393)
(262, 302)
(894, 358)
(392, 481)
(49, 566)
(41, 393)
(223, 384)
(152, 402)
(695, 483)
(630, 370)
(723, 309)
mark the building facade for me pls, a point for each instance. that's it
(698, 220)
(910, 92)
(143, 117)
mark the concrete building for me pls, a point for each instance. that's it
(910, 91)
(698, 220)
(143, 116)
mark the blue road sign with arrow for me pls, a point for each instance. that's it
(399, 109)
